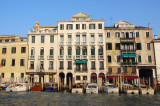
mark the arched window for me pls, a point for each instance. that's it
(92, 51)
(61, 51)
(100, 51)
(32, 51)
(42, 51)
(69, 51)
(84, 51)
(77, 50)
(51, 51)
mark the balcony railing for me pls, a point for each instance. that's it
(50, 68)
(101, 57)
(129, 63)
(100, 43)
(69, 57)
(83, 43)
(81, 70)
(69, 68)
(128, 50)
(31, 57)
(61, 57)
(92, 43)
(93, 57)
(77, 43)
(69, 43)
(127, 39)
(50, 57)
(61, 68)
(84, 57)
(43, 31)
(41, 57)
(61, 43)
(101, 68)
(94, 68)
(77, 57)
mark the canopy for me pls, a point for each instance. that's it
(128, 55)
(81, 61)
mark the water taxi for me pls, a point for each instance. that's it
(92, 88)
(110, 88)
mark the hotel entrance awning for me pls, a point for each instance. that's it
(81, 61)
(128, 55)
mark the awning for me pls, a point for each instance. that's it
(40, 73)
(128, 55)
(128, 77)
(81, 61)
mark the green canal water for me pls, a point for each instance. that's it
(68, 99)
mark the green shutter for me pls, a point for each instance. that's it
(69, 51)
(77, 51)
(92, 51)
(51, 51)
(32, 52)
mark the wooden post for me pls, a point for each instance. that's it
(143, 81)
(118, 82)
(69, 84)
(54, 83)
(149, 82)
(100, 84)
(155, 86)
(139, 84)
(60, 84)
(121, 83)
(113, 80)
(31, 81)
(28, 83)
(0, 81)
(42, 83)
(85, 84)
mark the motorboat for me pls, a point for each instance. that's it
(110, 88)
(146, 90)
(77, 88)
(130, 89)
(17, 87)
(4, 86)
(52, 88)
(92, 88)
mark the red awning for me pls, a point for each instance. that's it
(128, 77)
(101, 76)
(40, 73)
(93, 76)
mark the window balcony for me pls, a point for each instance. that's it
(69, 43)
(83, 43)
(124, 39)
(93, 68)
(61, 68)
(32, 57)
(41, 57)
(84, 57)
(101, 68)
(61, 43)
(77, 43)
(93, 57)
(61, 57)
(77, 57)
(50, 57)
(50, 68)
(69, 57)
(100, 43)
(92, 43)
(128, 50)
(69, 68)
(84, 69)
(100, 57)
(129, 63)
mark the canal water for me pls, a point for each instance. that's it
(68, 99)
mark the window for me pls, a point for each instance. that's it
(12, 40)
(4, 50)
(61, 65)
(124, 70)
(78, 51)
(50, 64)
(84, 67)
(22, 75)
(22, 62)
(99, 26)
(133, 70)
(69, 51)
(78, 78)
(131, 35)
(109, 59)
(91, 26)
(23, 49)
(108, 34)
(100, 38)
(2, 74)
(13, 50)
(92, 38)
(101, 65)
(61, 26)
(149, 59)
(61, 51)
(0, 41)
(93, 65)
(77, 26)
(41, 51)
(13, 62)
(137, 34)
(84, 77)
(119, 70)
(93, 51)
(32, 52)
(83, 26)
(32, 65)
(110, 70)
(108, 46)
(148, 46)
(118, 59)
(138, 46)
(42, 39)
(100, 51)
(122, 35)
(3, 62)
(12, 75)
(84, 38)
(7, 40)
(61, 38)
(41, 65)
(69, 38)
(78, 67)
(69, 26)
(117, 46)
(147, 34)
(69, 64)
(84, 51)
(51, 39)
(139, 59)
(117, 34)
(33, 39)
(51, 52)
(77, 38)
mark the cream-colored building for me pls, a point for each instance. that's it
(129, 51)
(13, 56)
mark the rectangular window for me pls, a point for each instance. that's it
(117, 34)
(22, 75)
(32, 65)
(13, 50)
(118, 70)
(92, 38)
(133, 70)
(61, 65)
(139, 59)
(147, 34)
(118, 59)
(122, 35)
(13, 62)
(108, 34)
(83, 26)
(12, 75)
(109, 70)
(138, 46)
(108, 46)
(78, 67)
(2, 74)
(42, 52)
(137, 34)
(32, 52)
(22, 62)
(148, 46)
(41, 65)
(42, 39)
(149, 59)
(77, 38)
(100, 38)
(109, 59)
(51, 52)
(33, 39)
(23, 49)
(91, 26)
(61, 26)
(69, 26)
(84, 77)
(77, 26)
(93, 65)
(51, 39)
(4, 50)
(7, 40)
(117, 46)
(99, 26)
(84, 38)
(61, 38)
(78, 78)
(12, 40)
(101, 65)
(69, 64)
(3, 62)
(124, 70)
(69, 38)
(50, 64)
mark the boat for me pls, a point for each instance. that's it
(130, 89)
(38, 86)
(110, 88)
(146, 90)
(92, 88)
(4, 86)
(17, 87)
(52, 88)
(77, 88)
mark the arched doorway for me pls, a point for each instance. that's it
(69, 76)
(93, 78)
(62, 76)
(102, 76)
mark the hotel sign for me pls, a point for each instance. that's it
(40, 73)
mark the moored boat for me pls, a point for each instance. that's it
(19, 87)
(130, 89)
(110, 88)
(146, 90)
(92, 88)
(77, 88)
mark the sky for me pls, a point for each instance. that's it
(19, 16)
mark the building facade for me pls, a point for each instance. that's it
(13, 57)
